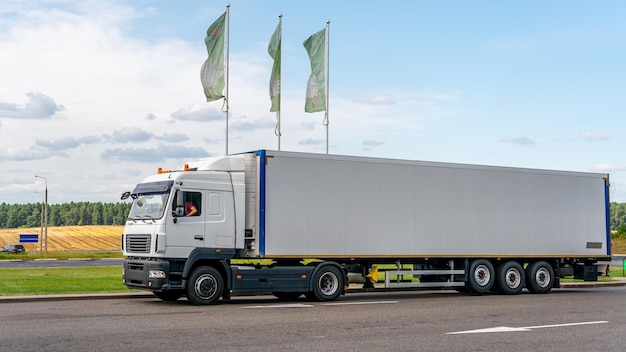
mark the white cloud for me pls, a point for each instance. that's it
(517, 141)
(594, 136)
(37, 106)
(600, 167)
(380, 100)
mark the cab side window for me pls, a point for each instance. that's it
(192, 203)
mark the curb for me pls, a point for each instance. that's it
(147, 294)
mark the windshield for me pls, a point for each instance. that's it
(148, 206)
(150, 200)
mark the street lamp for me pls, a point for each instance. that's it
(45, 213)
(41, 222)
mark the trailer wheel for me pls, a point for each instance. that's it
(327, 284)
(481, 276)
(169, 296)
(205, 286)
(511, 278)
(540, 277)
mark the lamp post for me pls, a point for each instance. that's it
(41, 222)
(45, 213)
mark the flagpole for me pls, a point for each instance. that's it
(226, 59)
(280, 25)
(326, 120)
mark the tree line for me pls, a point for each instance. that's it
(88, 213)
(67, 214)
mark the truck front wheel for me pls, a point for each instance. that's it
(481, 276)
(205, 286)
(327, 284)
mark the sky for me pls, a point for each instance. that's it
(95, 95)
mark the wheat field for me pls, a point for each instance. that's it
(69, 238)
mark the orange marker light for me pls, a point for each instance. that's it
(186, 168)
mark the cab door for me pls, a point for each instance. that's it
(186, 232)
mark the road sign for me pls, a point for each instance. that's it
(29, 238)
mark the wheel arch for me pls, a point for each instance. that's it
(209, 257)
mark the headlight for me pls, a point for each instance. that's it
(156, 274)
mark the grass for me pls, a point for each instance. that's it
(48, 281)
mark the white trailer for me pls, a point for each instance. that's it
(313, 218)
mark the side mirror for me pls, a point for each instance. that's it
(180, 204)
(125, 195)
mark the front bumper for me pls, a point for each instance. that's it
(137, 274)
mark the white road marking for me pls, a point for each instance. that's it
(526, 328)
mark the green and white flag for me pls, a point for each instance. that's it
(273, 48)
(316, 88)
(212, 72)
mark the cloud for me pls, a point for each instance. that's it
(517, 141)
(380, 100)
(67, 142)
(172, 137)
(37, 106)
(151, 117)
(370, 143)
(594, 136)
(311, 141)
(205, 114)
(308, 126)
(243, 126)
(160, 153)
(600, 167)
(130, 134)
(33, 153)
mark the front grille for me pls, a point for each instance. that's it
(138, 243)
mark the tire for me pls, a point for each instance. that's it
(328, 284)
(539, 277)
(511, 278)
(169, 296)
(287, 296)
(481, 276)
(205, 286)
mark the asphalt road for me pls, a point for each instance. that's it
(565, 320)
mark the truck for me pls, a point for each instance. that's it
(293, 224)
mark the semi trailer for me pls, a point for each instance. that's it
(293, 224)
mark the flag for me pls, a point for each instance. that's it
(212, 72)
(316, 88)
(273, 48)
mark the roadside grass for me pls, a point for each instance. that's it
(49, 281)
